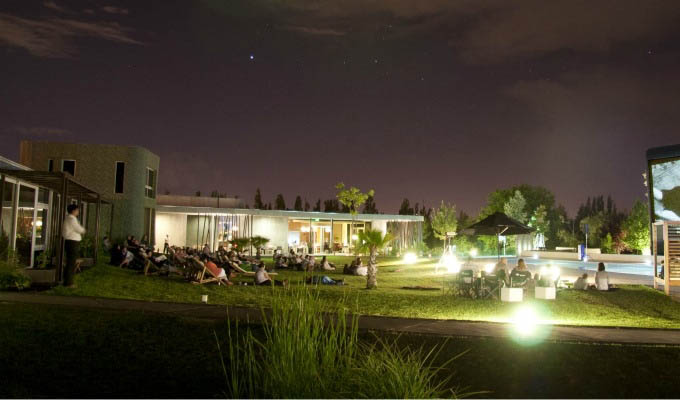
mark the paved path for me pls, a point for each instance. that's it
(388, 324)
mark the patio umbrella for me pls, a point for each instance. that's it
(498, 224)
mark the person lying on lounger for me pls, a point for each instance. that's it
(324, 280)
(217, 272)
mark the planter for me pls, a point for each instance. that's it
(512, 294)
(42, 276)
(545, 293)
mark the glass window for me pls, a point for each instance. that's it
(6, 216)
(43, 196)
(69, 166)
(50, 165)
(120, 177)
(25, 224)
(150, 183)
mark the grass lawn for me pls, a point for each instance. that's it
(53, 351)
(631, 306)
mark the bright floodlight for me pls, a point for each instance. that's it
(525, 321)
(355, 237)
(410, 258)
(555, 270)
(535, 256)
(451, 263)
(488, 268)
(473, 252)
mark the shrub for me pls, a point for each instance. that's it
(11, 273)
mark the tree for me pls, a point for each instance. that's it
(239, 243)
(444, 220)
(258, 242)
(258, 200)
(514, 207)
(540, 222)
(307, 207)
(372, 241)
(331, 205)
(280, 202)
(636, 227)
(405, 208)
(352, 198)
(370, 207)
(298, 204)
(317, 206)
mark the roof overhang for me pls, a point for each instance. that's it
(54, 181)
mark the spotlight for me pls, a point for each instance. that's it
(473, 252)
(488, 268)
(525, 321)
(451, 263)
(410, 258)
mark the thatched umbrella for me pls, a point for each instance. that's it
(498, 224)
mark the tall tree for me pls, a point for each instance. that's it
(372, 241)
(307, 207)
(514, 207)
(370, 207)
(298, 203)
(636, 227)
(444, 220)
(317, 206)
(331, 205)
(405, 208)
(258, 204)
(352, 198)
(280, 202)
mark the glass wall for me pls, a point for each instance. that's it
(6, 217)
(25, 222)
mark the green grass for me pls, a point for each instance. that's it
(54, 351)
(631, 306)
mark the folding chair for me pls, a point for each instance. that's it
(520, 279)
(491, 284)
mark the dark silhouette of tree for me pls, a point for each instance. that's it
(280, 202)
(405, 208)
(369, 206)
(317, 206)
(298, 204)
(258, 200)
(331, 205)
(307, 207)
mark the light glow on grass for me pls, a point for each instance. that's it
(450, 262)
(410, 258)
(529, 324)
(524, 321)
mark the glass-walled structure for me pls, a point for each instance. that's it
(301, 231)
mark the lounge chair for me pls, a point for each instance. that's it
(491, 284)
(201, 274)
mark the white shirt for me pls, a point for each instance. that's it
(362, 271)
(602, 280)
(71, 230)
(261, 276)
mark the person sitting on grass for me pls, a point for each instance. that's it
(327, 266)
(601, 278)
(262, 278)
(324, 280)
(581, 283)
(281, 263)
(356, 268)
(127, 257)
(309, 264)
(218, 272)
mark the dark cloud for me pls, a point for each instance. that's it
(55, 37)
(314, 31)
(115, 10)
(52, 5)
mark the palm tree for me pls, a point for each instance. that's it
(258, 242)
(372, 241)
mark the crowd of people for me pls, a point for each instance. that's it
(581, 283)
(224, 264)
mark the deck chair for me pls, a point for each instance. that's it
(520, 279)
(467, 284)
(491, 284)
(201, 274)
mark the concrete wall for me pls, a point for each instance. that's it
(273, 228)
(194, 201)
(95, 168)
(173, 225)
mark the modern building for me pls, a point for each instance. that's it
(191, 222)
(125, 176)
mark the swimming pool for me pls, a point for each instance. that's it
(623, 268)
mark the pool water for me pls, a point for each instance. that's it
(623, 268)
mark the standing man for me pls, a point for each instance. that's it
(71, 231)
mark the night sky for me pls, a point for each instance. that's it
(429, 99)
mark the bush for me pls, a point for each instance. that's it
(12, 275)
(307, 353)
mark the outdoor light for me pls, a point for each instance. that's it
(473, 252)
(585, 258)
(38, 223)
(524, 321)
(304, 229)
(488, 268)
(451, 263)
(410, 258)
(355, 237)
(535, 256)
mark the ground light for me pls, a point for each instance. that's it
(529, 324)
(410, 258)
(473, 252)
(450, 262)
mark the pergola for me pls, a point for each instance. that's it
(66, 187)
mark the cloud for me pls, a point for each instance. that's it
(54, 37)
(115, 10)
(52, 5)
(314, 31)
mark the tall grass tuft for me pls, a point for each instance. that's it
(304, 352)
